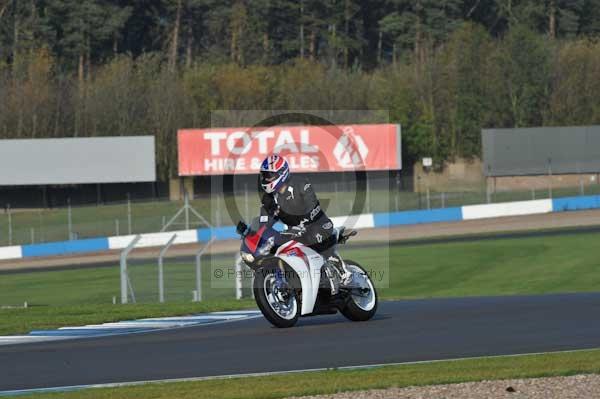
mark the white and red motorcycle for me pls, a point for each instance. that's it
(292, 280)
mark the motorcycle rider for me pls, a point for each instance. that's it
(295, 203)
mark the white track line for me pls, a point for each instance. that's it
(144, 326)
(115, 326)
(203, 317)
(15, 339)
(265, 374)
(158, 322)
(237, 312)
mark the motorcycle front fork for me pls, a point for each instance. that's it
(280, 275)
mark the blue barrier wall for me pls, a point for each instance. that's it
(417, 217)
(575, 203)
(228, 232)
(218, 233)
(64, 247)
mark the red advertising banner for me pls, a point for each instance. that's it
(219, 151)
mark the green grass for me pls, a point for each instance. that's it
(539, 265)
(97, 286)
(535, 266)
(327, 382)
(84, 296)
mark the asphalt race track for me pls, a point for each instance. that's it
(401, 332)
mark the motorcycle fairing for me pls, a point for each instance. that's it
(304, 261)
(307, 264)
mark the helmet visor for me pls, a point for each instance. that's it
(268, 177)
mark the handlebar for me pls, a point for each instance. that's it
(345, 237)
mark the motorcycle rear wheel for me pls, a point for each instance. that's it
(360, 307)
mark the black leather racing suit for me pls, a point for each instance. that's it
(298, 206)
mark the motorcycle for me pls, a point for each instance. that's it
(291, 280)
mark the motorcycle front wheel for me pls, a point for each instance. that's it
(362, 301)
(280, 307)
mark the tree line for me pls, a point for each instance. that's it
(443, 69)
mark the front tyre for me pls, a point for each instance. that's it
(280, 308)
(362, 301)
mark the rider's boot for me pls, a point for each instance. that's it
(338, 263)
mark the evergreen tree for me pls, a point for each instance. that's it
(416, 24)
(590, 18)
(19, 30)
(124, 66)
(556, 18)
(80, 30)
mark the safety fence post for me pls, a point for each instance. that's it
(246, 202)
(129, 223)
(187, 210)
(161, 280)
(10, 230)
(198, 296)
(125, 283)
(69, 219)
(238, 277)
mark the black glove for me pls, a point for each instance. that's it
(269, 205)
(241, 228)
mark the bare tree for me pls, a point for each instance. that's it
(175, 38)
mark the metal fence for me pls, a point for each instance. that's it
(25, 226)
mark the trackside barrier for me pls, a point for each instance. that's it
(72, 247)
(368, 220)
(12, 252)
(575, 203)
(417, 217)
(506, 209)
